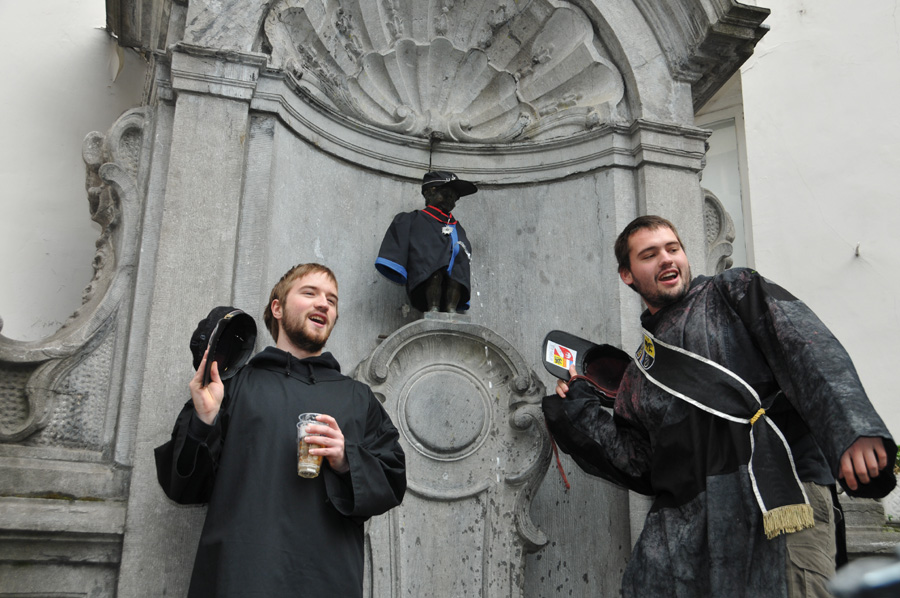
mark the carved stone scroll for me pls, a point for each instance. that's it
(706, 41)
(62, 517)
(719, 229)
(468, 412)
(42, 366)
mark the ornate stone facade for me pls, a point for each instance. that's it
(719, 234)
(282, 131)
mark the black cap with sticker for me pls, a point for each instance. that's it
(562, 350)
(602, 365)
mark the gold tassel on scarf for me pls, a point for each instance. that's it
(787, 520)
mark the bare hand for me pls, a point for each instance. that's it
(330, 439)
(207, 399)
(562, 387)
(862, 461)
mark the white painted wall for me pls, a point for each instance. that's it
(61, 80)
(822, 126)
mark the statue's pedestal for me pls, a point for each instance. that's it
(468, 411)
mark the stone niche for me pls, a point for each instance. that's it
(468, 411)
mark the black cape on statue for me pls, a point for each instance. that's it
(268, 532)
(415, 246)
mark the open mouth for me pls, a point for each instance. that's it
(668, 276)
(318, 319)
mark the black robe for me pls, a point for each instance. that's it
(269, 532)
(704, 534)
(414, 247)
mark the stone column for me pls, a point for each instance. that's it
(194, 270)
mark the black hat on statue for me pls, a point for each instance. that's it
(230, 334)
(440, 178)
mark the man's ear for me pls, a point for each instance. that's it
(625, 275)
(277, 312)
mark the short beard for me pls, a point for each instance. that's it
(301, 339)
(659, 300)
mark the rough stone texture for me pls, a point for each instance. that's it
(289, 131)
(47, 530)
(868, 534)
(192, 273)
(704, 40)
(238, 30)
(719, 229)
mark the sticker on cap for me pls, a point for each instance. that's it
(560, 356)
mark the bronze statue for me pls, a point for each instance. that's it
(428, 250)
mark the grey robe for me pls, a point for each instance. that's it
(704, 535)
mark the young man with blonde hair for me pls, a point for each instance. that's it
(269, 532)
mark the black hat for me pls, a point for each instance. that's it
(439, 178)
(230, 334)
(602, 365)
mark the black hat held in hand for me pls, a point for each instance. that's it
(603, 366)
(230, 334)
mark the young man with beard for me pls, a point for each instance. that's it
(269, 532)
(738, 412)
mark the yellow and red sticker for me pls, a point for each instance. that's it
(560, 356)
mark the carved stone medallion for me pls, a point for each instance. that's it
(467, 408)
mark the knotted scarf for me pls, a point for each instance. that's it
(719, 391)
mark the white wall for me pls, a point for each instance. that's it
(61, 80)
(822, 126)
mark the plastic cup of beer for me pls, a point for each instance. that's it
(307, 465)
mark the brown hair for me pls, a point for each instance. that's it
(281, 288)
(640, 223)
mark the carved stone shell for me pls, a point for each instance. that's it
(464, 71)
